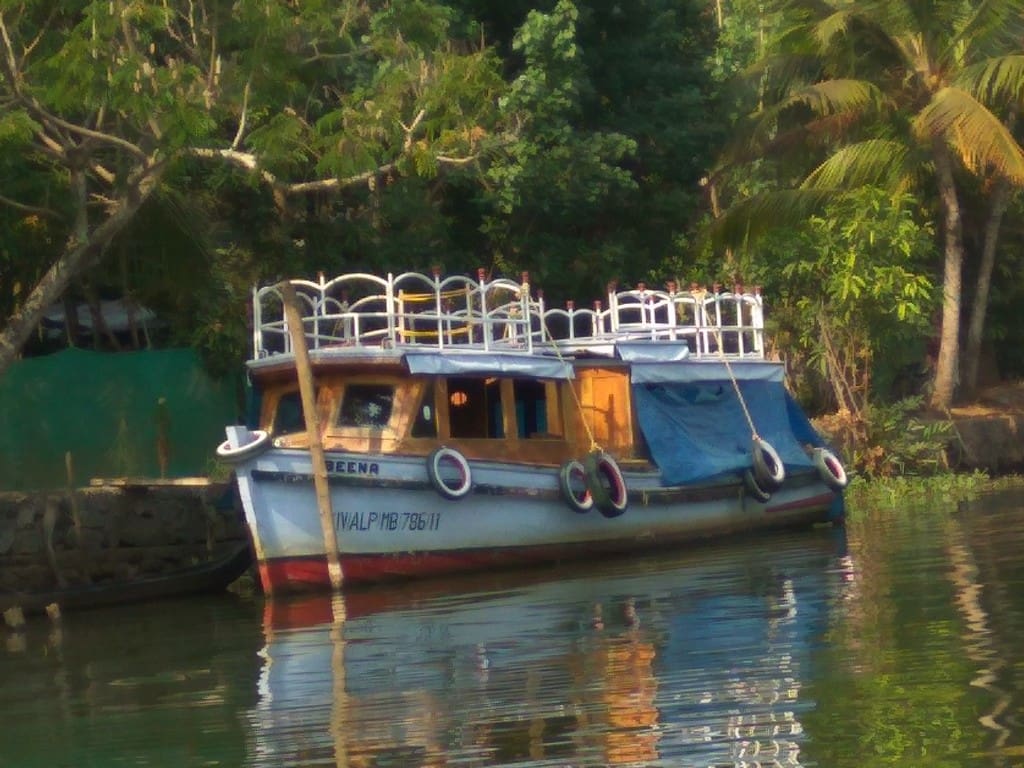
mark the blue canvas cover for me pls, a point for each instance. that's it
(697, 430)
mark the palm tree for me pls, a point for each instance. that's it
(889, 92)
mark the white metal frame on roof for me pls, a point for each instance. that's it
(427, 313)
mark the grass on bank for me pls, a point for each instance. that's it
(941, 490)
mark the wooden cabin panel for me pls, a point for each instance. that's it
(508, 409)
(553, 404)
(606, 409)
(282, 415)
(376, 444)
(441, 406)
(534, 451)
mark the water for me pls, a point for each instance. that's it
(896, 643)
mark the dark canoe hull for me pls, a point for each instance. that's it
(212, 576)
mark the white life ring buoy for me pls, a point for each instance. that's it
(260, 442)
(572, 480)
(606, 484)
(769, 471)
(753, 488)
(830, 468)
(442, 464)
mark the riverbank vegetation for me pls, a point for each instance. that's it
(943, 493)
(859, 161)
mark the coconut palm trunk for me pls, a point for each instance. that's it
(979, 310)
(946, 367)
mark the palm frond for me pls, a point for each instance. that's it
(824, 99)
(781, 70)
(993, 26)
(878, 162)
(752, 218)
(830, 97)
(995, 80)
(834, 24)
(977, 135)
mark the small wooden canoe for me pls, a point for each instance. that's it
(211, 576)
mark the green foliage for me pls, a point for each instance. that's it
(16, 128)
(900, 442)
(864, 260)
(851, 296)
(610, 125)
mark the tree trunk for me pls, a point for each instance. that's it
(75, 259)
(976, 326)
(953, 257)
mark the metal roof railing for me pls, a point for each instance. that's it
(424, 311)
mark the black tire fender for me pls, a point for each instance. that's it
(754, 489)
(606, 484)
(769, 471)
(572, 480)
(831, 469)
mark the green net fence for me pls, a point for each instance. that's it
(129, 414)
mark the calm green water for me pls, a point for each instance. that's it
(900, 642)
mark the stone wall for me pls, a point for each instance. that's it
(115, 531)
(993, 443)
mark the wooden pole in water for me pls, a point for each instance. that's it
(76, 517)
(316, 447)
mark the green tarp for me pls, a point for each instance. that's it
(116, 413)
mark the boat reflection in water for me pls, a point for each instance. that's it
(696, 657)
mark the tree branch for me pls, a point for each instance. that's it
(10, 65)
(249, 162)
(24, 208)
(106, 138)
(245, 112)
(456, 160)
(410, 129)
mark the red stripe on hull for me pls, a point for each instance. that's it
(310, 573)
(814, 502)
(300, 574)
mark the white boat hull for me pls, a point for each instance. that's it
(391, 523)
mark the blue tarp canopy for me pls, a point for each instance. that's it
(696, 428)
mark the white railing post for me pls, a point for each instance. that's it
(613, 307)
(481, 277)
(523, 322)
(670, 288)
(390, 308)
(737, 295)
(759, 320)
(284, 325)
(257, 324)
(438, 303)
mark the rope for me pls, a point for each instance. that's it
(736, 386)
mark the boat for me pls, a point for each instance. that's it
(459, 423)
(226, 565)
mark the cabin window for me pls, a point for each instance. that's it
(531, 407)
(366, 405)
(289, 416)
(426, 417)
(474, 407)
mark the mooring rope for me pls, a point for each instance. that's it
(736, 386)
